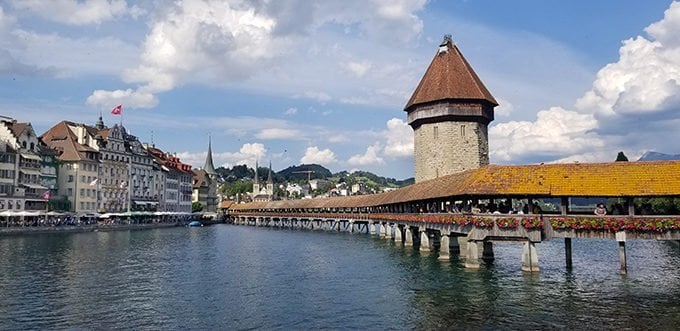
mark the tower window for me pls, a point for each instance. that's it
(436, 132)
(462, 130)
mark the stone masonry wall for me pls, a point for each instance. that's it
(449, 147)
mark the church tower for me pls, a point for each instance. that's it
(256, 181)
(270, 181)
(449, 112)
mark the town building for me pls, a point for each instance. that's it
(78, 166)
(20, 169)
(177, 176)
(449, 112)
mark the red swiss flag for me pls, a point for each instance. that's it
(117, 110)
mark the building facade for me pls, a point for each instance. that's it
(21, 168)
(449, 112)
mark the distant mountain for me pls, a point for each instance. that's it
(299, 172)
(656, 156)
(379, 180)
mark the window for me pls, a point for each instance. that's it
(462, 130)
(32, 146)
(69, 192)
(82, 192)
(436, 132)
(23, 144)
(70, 178)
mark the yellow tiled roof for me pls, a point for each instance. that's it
(613, 179)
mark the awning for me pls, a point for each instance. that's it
(31, 156)
(153, 203)
(30, 171)
(35, 186)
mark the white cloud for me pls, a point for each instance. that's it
(264, 45)
(556, 132)
(78, 12)
(248, 155)
(504, 108)
(291, 111)
(279, 133)
(370, 157)
(128, 98)
(633, 105)
(358, 69)
(319, 156)
(399, 136)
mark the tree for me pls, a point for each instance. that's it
(196, 207)
(621, 157)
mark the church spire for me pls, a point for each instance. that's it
(100, 122)
(209, 167)
(256, 180)
(269, 179)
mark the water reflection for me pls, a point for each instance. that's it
(231, 277)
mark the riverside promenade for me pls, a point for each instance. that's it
(14, 226)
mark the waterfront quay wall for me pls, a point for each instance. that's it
(16, 231)
(468, 235)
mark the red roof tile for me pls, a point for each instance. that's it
(449, 76)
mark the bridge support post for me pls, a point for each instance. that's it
(567, 252)
(463, 242)
(621, 239)
(381, 230)
(472, 256)
(397, 233)
(487, 254)
(444, 247)
(388, 231)
(408, 236)
(371, 227)
(529, 257)
(424, 241)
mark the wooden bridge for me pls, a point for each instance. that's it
(425, 214)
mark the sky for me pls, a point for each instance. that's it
(303, 81)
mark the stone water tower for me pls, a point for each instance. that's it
(449, 112)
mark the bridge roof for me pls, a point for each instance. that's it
(613, 179)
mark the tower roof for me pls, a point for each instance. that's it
(270, 179)
(448, 77)
(209, 167)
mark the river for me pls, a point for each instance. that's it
(237, 277)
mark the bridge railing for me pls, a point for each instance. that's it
(552, 225)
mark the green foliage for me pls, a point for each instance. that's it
(196, 207)
(230, 189)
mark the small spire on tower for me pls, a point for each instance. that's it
(209, 167)
(256, 180)
(269, 179)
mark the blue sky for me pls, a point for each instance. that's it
(296, 81)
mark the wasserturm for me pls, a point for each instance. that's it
(449, 112)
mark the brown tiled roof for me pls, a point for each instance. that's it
(17, 128)
(63, 140)
(449, 76)
(614, 179)
(225, 204)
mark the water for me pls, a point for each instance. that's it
(236, 277)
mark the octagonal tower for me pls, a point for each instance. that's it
(449, 112)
